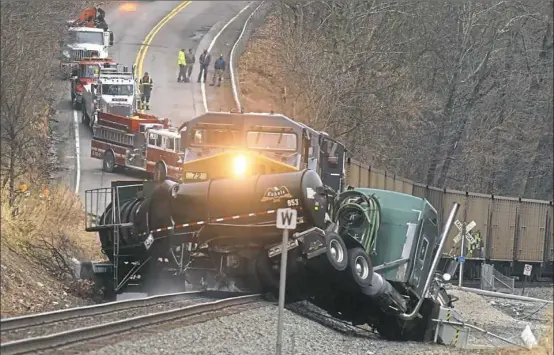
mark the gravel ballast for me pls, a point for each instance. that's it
(252, 330)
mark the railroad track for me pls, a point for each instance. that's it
(22, 335)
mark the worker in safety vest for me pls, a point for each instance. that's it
(182, 61)
(146, 89)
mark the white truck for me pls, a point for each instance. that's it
(115, 91)
(88, 37)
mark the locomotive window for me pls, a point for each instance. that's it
(152, 138)
(215, 137)
(159, 141)
(271, 140)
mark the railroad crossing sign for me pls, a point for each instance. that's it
(286, 218)
(468, 235)
(527, 269)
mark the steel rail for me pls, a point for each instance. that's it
(83, 334)
(35, 320)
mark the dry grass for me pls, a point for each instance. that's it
(38, 243)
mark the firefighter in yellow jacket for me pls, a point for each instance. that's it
(145, 89)
(182, 67)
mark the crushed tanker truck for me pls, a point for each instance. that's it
(366, 256)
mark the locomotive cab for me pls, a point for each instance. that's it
(220, 145)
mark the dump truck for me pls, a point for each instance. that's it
(366, 256)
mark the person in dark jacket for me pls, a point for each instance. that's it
(190, 63)
(205, 59)
(219, 68)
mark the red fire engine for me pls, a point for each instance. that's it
(141, 142)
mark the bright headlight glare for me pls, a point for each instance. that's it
(65, 53)
(240, 165)
(446, 276)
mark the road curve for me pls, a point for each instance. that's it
(192, 27)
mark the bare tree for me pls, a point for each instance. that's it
(454, 94)
(31, 32)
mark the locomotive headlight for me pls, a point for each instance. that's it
(446, 276)
(240, 165)
(66, 53)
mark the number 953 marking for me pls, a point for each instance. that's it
(293, 202)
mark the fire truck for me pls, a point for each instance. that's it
(141, 142)
(84, 75)
(115, 91)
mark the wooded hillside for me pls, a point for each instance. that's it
(451, 94)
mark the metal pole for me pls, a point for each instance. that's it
(282, 283)
(504, 295)
(462, 254)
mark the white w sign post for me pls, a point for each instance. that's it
(286, 219)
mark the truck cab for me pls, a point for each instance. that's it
(221, 145)
(115, 91)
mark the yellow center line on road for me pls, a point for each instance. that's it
(144, 47)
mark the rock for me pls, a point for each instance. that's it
(40, 284)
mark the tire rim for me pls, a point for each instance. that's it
(361, 267)
(336, 251)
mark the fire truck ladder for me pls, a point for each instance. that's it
(96, 201)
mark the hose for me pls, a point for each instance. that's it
(358, 216)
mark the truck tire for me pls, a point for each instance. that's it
(360, 267)
(160, 171)
(108, 163)
(336, 251)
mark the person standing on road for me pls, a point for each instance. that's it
(182, 61)
(146, 90)
(205, 59)
(219, 68)
(191, 59)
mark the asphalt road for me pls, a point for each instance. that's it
(193, 27)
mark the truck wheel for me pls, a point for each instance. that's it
(336, 251)
(360, 267)
(160, 172)
(108, 164)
